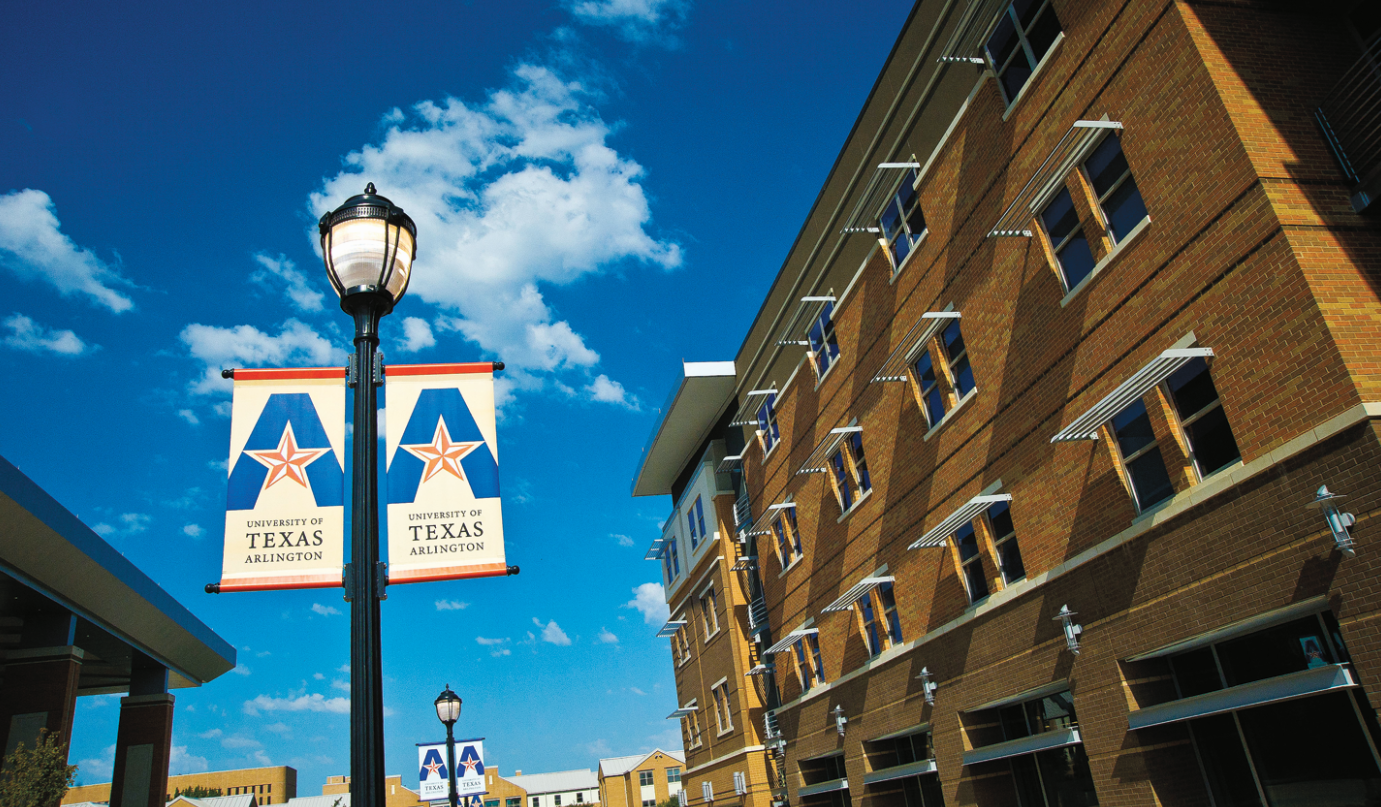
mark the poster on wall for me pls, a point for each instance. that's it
(433, 778)
(284, 509)
(441, 449)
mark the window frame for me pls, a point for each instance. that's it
(999, 542)
(651, 778)
(670, 772)
(1023, 48)
(1124, 461)
(848, 463)
(769, 431)
(1056, 249)
(691, 727)
(810, 671)
(883, 631)
(1183, 423)
(1097, 200)
(787, 537)
(724, 721)
(945, 387)
(829, 338)
(709, 613)
(911, 178)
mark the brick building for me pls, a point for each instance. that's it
(1044, 411)
(641, 780)
(270, 785)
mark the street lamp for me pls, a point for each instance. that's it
(368, 245)
(448, 712)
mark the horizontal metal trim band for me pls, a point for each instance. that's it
(1258, 693)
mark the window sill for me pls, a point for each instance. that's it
(793, 565)
(1184, 496)
(1035, 74)
(710, 638)
(1107, 259)
(950, 414)
(857, 502)
(724, 733)
(916, 247)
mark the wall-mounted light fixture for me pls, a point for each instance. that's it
(1072, 630)
(1338, 521)
(928, 686)
(840, 721)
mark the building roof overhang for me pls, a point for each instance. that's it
(704, 393)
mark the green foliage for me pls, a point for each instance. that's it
(36, 778)
(196, 792)
(671, 802)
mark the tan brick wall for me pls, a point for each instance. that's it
(272, 785)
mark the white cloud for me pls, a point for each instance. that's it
(193, 530)
(623, 540)
(325, 610)
(246, 346)
(101, 767)
(211, 735)
(605, 637)
(315, 702)
(640, 21)
(451, 605)
(241, 742)
(126, 524)
(283, 277)
(606, 390)
(240, 669)
(341, 684)
(180, 762)
(598, 748)
(25, 334)
(552, 633)
(281, 729)
(33, 246)
(417, 334)
(345, 668)
(490, 642)
(189, 416)
(650, 600)
(502, 651)
(319, 676)
(508, 195)
(636, 691)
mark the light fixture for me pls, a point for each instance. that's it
(928, 686)
(368, 244)
(1338, 521)
(1071, 630)
(840, 721)
(448, 712)
(448, 706)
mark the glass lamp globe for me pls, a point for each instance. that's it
(368, 245)
(448, 706)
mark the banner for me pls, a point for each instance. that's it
(284, 504)
(444, 519)
(433, 780)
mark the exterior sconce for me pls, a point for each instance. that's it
(1072, 630)
(928, 686)
(1338, 521)
(840, 721)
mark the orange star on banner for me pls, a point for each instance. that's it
(287, 461)
(442, 454)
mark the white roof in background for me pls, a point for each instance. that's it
(238, 800)
(690, 412)
(558, 782)
(618, 766)
(319, 801)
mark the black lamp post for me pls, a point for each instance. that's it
(448, 712)
(368, 245)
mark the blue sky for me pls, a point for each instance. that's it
(602, 188)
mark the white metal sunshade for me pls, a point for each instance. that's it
(689, 709)
(1071, 149)
(790, 639)
(855, 593)
(654, 552)
(1059, 738)
(793, 324)
(730, 464)
(894, 369)
(1312, 681)
(966, 513)
(878, 191)
(816, 462)
(669, 629)
(1086, 426)
(750, 416)
(966, 43)
(763, 526)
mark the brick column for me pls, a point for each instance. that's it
(40, 691)
(144, 743)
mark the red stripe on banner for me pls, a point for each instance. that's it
(448, 573)
(289, 373)
(440, 369)
(326, 580)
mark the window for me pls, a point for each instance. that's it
(649, 803)
(691, 726)
(1025, 33)
(709, 606)
(1068, 243)
(644, 778)
(824, 345)
(695, 522)
(556, 800)
(1005, 543)
(1054, 777)
(681, 645)
(1200, 413)
(902, 223)
(673, 775)
(1112, 182)
(971, 562)
(721, 708)
(941, 387)
(491, 803)
(921, 790)
(768, 432)
(1143, 467)
(536, 802)
(878, 619)
(513, 802)
(809, 669)
(788, 538)
(579, 798)
(849, 472)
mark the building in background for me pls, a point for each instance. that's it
(1047, 415)
(396, 794)
(270, 785)
(558, 789)
(641, 780)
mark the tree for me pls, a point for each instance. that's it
(196, 792)
(670, 802)
(38, 777)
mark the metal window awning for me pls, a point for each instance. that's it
(689, 709)
(823, 787)
(1257, 693)
(744, 564)
(790, 639)
(857, 592)
(816, 462)
(1071, 149)
(1024, 745)
(900, 772)
(894, 369)
(750, 416)
(966, 43)
(761, 669)
(730, 464)
(654, 552)
(1086, 426)
(793, 323)
(669, 629)
(763, 526)
(969, 511)
(880, 187)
